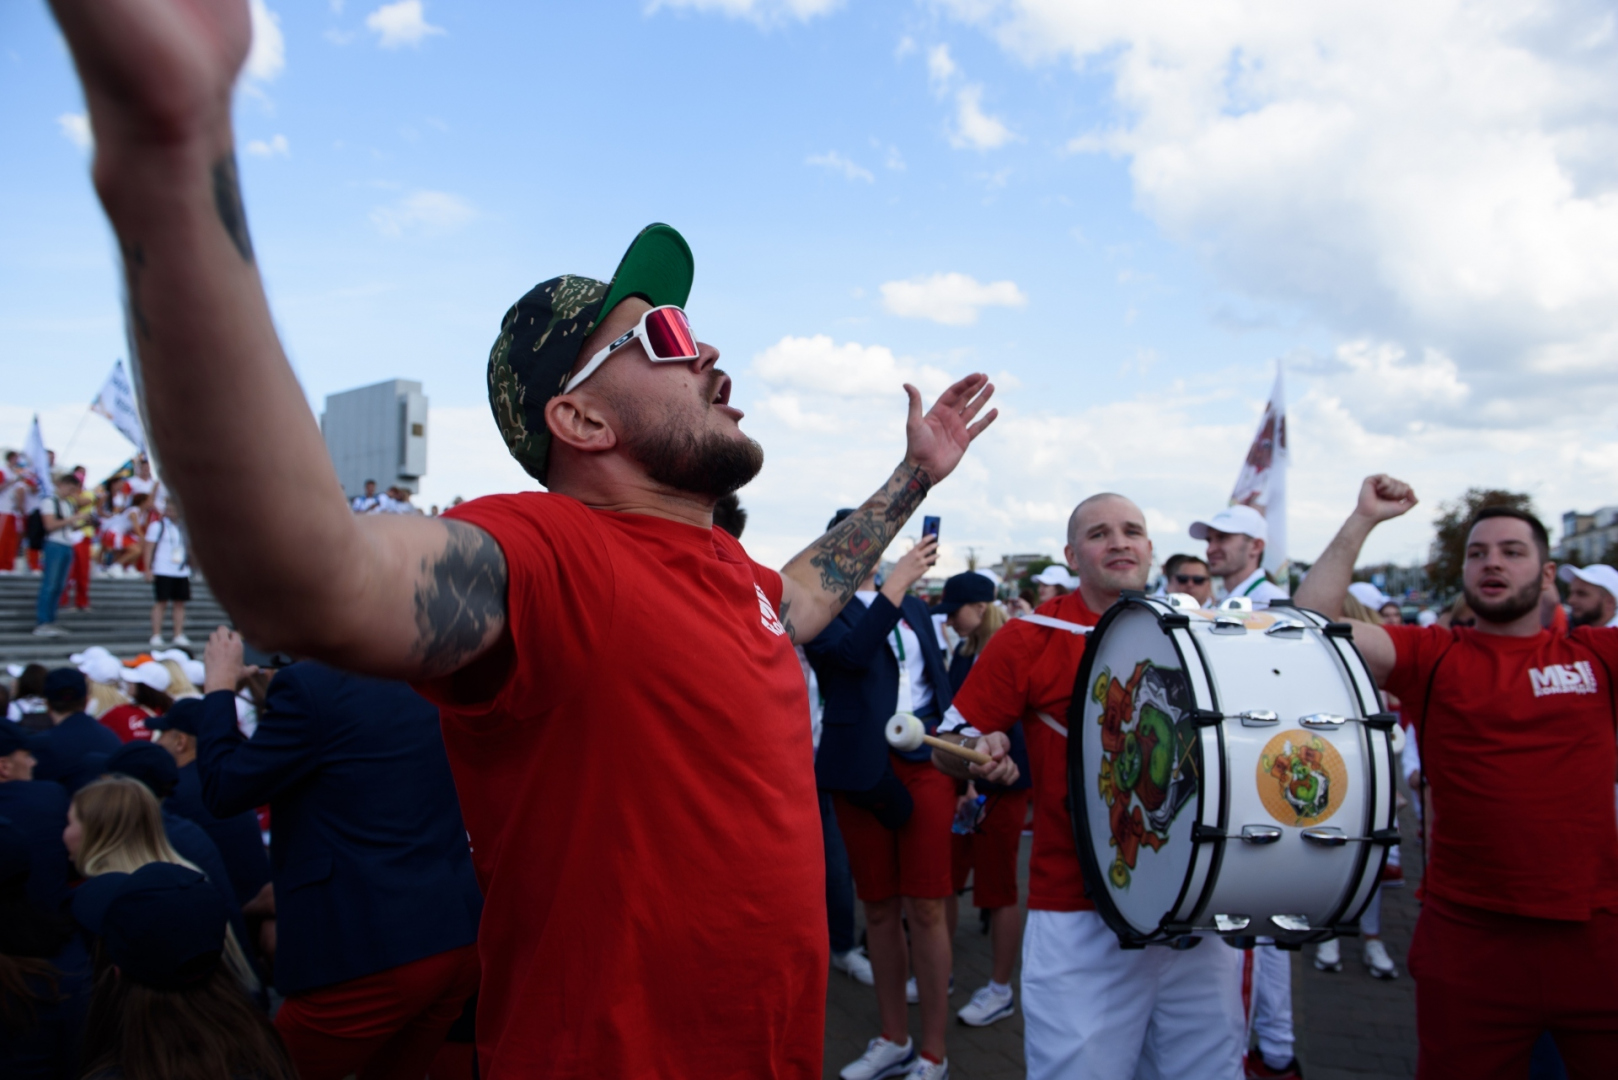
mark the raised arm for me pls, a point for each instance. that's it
(1381, 498)
(397, 596)
(822, 578)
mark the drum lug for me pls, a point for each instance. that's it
(1382, 721)
(1325, 836)
(1322, 720)
(1260, 834)
(1207, 717)
(1295, 924)
(1206, 834)
(1236, 603)
(1228, 624)
(1257, 718)
(1230, 924)
(1339, 629)
(1286, 626)
(1173, 620)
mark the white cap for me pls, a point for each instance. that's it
(1369, 595)
(1426, 617)
(194, 670)
(101, 667)
(1056, 574)
(1233, 519)
(150, 674)
(88, 654)
(1600, 575)
(14, 670)
(171, 654)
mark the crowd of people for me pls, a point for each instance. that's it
(595, 796)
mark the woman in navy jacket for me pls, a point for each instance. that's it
(881, 655)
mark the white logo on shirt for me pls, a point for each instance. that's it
(766, 613)
(1575, 678)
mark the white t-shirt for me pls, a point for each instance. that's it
(364, 504)
(1259, 589)
(906, 647)
(59, 508)
(169, 557)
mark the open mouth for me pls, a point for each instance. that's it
(721, 392)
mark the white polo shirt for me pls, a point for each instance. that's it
(1259, 589)
(906, 648)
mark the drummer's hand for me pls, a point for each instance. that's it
(1002, 770)
(1383, 498)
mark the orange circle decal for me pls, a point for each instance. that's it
(1301, 778)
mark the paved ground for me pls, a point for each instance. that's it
(1349, 1025)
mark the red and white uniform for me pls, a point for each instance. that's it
(128, 722)
(1091, 1009)
(640, 797)
(1519, 930)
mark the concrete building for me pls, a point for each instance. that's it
(1586, 537)
(378, 433)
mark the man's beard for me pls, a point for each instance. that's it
(698, 463)
(1589, 618)
(1508, 610)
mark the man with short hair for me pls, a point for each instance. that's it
(1189, 575)
(368, 502)
(1592, 594)
(601, 799)
(62, 522)
(61, 752)
(39, 809)
(1091, 1009)
(168, 568)
(1518, 932)
(1236, 537)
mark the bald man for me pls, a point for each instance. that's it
(1091, 1010)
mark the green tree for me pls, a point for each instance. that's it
(1449, 543)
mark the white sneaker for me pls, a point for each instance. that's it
(882, 1058)
(181, 639)
(49, 629)
(988, 1006)
(1329, 957)
(913, 995)
(926, 1070)
(1378, 960)
(155, 640)
(855, 965)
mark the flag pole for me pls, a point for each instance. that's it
(65, 451)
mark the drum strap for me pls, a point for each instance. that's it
(1057, 624)
(1050, 722)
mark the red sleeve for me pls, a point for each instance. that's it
(995, 693)
(1603, 641)
(1416, 650)
(559, 598)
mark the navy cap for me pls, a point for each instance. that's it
(968, 588)
(66, 684)
(184, 715)
(163, 925)
(147, 762)
(14, 737)
(14, 861)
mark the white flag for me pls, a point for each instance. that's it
(116, 402)
(1262, 483)
(38, 466)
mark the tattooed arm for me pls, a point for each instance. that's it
(230, 426)
(822, 578)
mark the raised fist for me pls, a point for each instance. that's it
(1382, 498)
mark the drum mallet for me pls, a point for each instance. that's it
(905, 732)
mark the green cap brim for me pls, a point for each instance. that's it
(657, 267)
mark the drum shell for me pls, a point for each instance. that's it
(1249, 773)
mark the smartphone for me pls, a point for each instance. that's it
(929, 527)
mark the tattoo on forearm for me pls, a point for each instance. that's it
(785, 616)
(227, 199)
(849, 552)
(134, 265)
(460, 598)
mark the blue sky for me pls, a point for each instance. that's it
(1127, 218)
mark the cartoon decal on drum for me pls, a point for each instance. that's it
(1229, 772)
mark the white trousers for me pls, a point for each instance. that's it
(1094, 1011)
(1272, 1003)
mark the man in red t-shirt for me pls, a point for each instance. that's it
(621, 703)
(1518, 934)
(1091, 1009)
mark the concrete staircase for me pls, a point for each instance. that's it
(119, 619)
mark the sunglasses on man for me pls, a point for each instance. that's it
(1191, 579)
(665, 335)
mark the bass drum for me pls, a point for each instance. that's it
(1229, 773)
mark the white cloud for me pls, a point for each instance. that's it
(1439, 181)
(951, 299)
(423, 213)
(402, 23)
(941, 69)
(973, 129)
(75, 129)
(267, 57)
(276, 146)
(819, 365)
(837, 163)
(762, 12)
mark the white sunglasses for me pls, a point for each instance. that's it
(665, 333)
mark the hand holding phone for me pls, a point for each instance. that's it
(929, 526)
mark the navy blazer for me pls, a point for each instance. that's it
(38, 809)
(859, 680)
(371, 861)
(237, 836)
(60, 753)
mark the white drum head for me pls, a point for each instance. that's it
(1136, 764)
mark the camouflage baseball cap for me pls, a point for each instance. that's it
(541, 335)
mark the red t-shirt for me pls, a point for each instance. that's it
(1518, 751)
(128, 722)
(640, 798)
(1027, 669)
